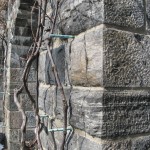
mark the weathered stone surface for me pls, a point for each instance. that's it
(31, 119)
(25, 22)
(16, 75)
(14, 120)
(110, 113)
(32, 86)
(99, 112)
(78, 16)
(50, 100)
(110, 58)
(126, 13)
(49, 142)
(141, 143)
(84, 142)
(86, 109)
(30, 135)
(45, 71)
(23, 99)
(126, 59)
(87, 58)
(147, 15)
(22, 41)
(45, 74)
(23, 31)
(125, 112)
(14, 146)
(19, 42)
(47, 99)
(24, 14)
(14, 135)
(20, 50)
(124, 144)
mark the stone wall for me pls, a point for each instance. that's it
(1, 81)
(105, 74)
(19, 42)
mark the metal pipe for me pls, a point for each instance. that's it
(60, 129)
(61, 36)
(44, 116)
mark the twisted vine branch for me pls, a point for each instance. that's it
(34, 55)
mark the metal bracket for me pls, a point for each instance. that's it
(61, 36)
(60, 129)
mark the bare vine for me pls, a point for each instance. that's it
(31, 58)
(38, 38)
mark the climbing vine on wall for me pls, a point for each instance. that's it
(32, 56)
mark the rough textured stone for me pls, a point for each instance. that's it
(126, 13)
(142, 143)
(23, 31)
(25, 22)
(14, 146)
(126, 59)
(110, 113)
(78, 16)
(110, 58)
(31, 119)
(46, 99)
(147, 15)
(30, 135)
(50, 100)
(45, 71)
(86, 113)
(19, 42)
(22, 41)
(87, 58)
(16, 75)
(99, 57)
(23, 99)
(20, 50)
(14, 135)
(99, 112)
(14, 120)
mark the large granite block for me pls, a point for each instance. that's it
(125, 13)
(101, 113)
(126, 59)
(87, 58)
(110, 113)
(110, 58)
(78, 16)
